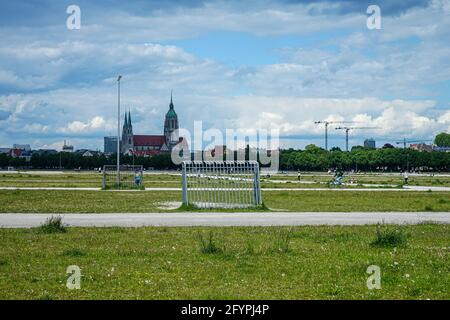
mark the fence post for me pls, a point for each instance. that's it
(184, 182)
(104, 178)
(257, 185)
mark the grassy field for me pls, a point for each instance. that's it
(239, 263)
(23, 201)
(309, 180)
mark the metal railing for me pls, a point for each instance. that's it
(221, 184)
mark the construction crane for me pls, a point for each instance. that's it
(347, 129)
(326, 128)
(404, 142)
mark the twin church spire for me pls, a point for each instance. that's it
(127, 126)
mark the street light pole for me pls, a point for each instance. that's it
(118, 130)
(346, 139)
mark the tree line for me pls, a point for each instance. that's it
(66, 160)
(359, 158)
(312, 158)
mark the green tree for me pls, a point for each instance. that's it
(442, 139)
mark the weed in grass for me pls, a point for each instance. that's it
(3, 262)
(74, 253)
(53, 224)
(387, 237)
(428, 208)
(163, 229)
(250, 248)
(281, 241)
(208, 245)
(442, 201)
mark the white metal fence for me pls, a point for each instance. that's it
(128, 177)
(221, 184)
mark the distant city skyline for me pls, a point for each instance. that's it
(252, 64)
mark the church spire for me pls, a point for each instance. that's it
(125, 123)
(171, 102)
(129, 118)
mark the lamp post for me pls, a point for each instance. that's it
(118, 130)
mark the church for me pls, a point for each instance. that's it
(148, 145)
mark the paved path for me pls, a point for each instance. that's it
(27, 220)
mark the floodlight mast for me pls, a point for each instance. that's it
(326, 128)
(347, 129)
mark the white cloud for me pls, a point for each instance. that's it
(95, 124)
(67, 80)
(296, 116)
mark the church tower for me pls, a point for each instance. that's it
(170, 125)
(127, 134)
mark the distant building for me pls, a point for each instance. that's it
(21, 154)
(369, 143)
(146, 145)
(421, 147)
(21, 151)
(25, 147)
(87, 152)
(67, 147)
(5, 150)
(110, 145)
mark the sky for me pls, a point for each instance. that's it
(245, 65)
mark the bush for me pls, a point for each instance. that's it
(208, 246)
(390, 237)
(53, 225)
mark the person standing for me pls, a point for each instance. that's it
(405, 176)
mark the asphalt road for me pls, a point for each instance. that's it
(28, 220)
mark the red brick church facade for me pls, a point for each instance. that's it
(148, 145)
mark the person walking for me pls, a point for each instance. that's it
(405, 176)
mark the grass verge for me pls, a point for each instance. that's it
(63, 201)
(326, 262)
